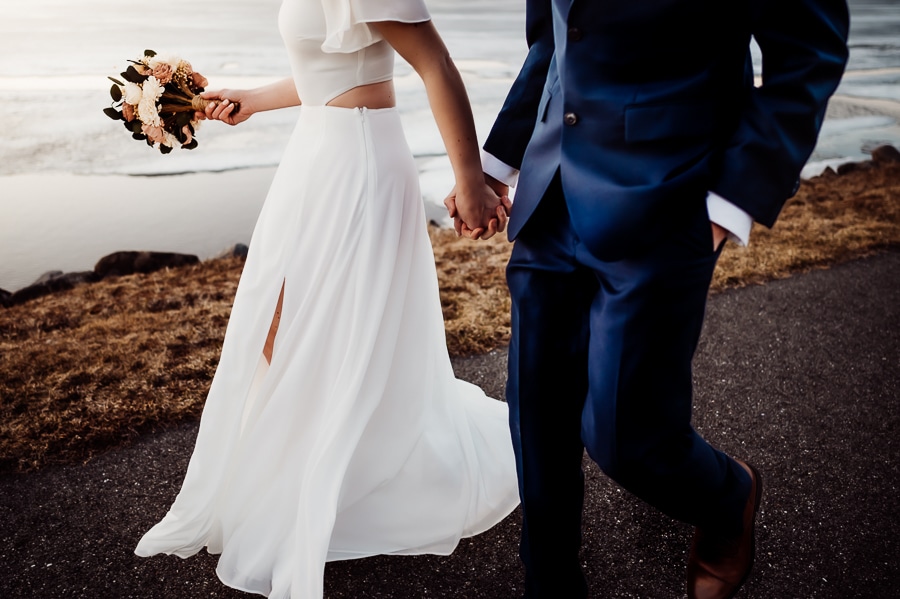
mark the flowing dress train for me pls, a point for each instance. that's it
(357, 440)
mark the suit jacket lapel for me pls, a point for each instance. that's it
(562, 8)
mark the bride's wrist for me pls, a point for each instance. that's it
(470, 180)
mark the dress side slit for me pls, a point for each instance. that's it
(273, 328)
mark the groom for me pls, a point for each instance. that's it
(640, 142)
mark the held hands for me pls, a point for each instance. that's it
(482, 212)
(226, 105)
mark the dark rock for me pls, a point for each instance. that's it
(51, 282)
(58, 277)
(885, 154)
(852, 167)
(126, 263)
(38, 290)
(77, 278)
(238, 250)
(4, 297)
(48, 276)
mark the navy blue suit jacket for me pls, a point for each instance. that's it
(644, 106)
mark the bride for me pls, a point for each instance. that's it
(334, 427)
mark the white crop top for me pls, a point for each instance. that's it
(333, 49)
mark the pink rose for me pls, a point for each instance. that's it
(128, 112)
(163, 73)
(199, 80)
(154, 133)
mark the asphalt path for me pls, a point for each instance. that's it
(799, 376)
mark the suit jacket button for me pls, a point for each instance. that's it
(570, 118)
(575, 34)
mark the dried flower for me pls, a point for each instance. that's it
(154, 133)
(198, 80)
(128, 112)
(163, 73)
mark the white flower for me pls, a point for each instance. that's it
(133, 93)
(152, 89)
(169, 59)
(148, 112)
(171, 140)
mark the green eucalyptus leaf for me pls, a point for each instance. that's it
(139, 137)
(113, 114)
(116, 81)
(149, 53)
(164, 149)
(136, 126)
(191, 145)
(116, 93)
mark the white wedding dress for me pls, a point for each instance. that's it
(357, 440)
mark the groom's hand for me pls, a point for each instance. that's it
(500, 188)
(480, 213)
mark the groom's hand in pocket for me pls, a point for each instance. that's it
(719, 234)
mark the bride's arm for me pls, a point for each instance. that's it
(280, 94)
(421, 46)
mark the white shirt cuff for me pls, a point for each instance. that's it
(729, 217)
(498, 169)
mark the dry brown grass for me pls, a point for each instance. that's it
(96, 366)
(832, 219)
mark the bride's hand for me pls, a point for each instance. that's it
(227, 105)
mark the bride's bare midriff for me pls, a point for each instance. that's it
(373, 95)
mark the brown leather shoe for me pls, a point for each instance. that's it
(718, 566)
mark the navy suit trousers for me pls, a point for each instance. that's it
(600, 359)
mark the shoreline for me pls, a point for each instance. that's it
(200, 213)
(112, 223)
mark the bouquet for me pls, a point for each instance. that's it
(158, 100)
